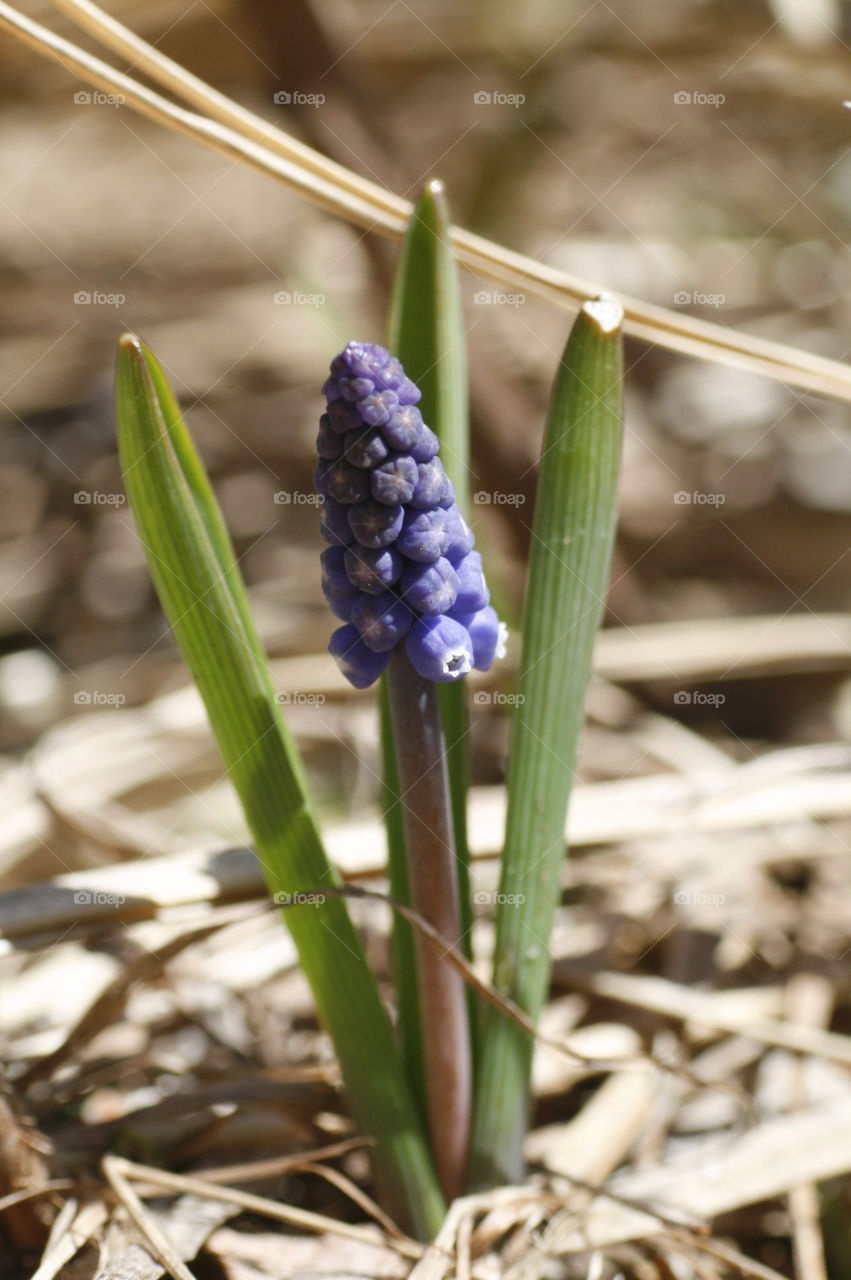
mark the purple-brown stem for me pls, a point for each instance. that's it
(430, 846)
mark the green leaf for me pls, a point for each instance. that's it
(572, 541)
(427, 334)
(192, 565)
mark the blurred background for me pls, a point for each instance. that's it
(695, 154)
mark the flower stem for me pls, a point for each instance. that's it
(424, 791)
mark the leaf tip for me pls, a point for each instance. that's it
(606, 313)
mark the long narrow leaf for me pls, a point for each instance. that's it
(572, 540)
(224, 657)
(427, 334)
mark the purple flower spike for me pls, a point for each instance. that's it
(487, 633)
(373, 571)
(433, 488)
(347, 483)
(382, 621)
(440, 649)
(361, 666)
(400, 564)
(334, 525)
(377, 409)
(424, 536)
(473, 593)
(328, 443)
(430, 588)
(395, 480)
(366, 448)
(374, 524)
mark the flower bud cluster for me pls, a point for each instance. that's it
(400, 565)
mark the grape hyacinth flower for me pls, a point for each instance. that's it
(400, 566)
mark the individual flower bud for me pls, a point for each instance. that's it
(382, 621)
(329, 444)
(334, 525)
(487, 634)
(366, 448)
(459, 536)
(403, 428)
(331, 389)
(361, 360)
(344, 416)
(472, 589)
(429, 588)
(433, 487)
(394, 480)
(391, 375)
(425, 446)
(378, 408)
(408, 392)
(321, 477)
(423, 536)
(356, 389)
(374, 524)
(346, 483)
(359, 664)
(373, 571)
(439, 649)
(336, 584)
